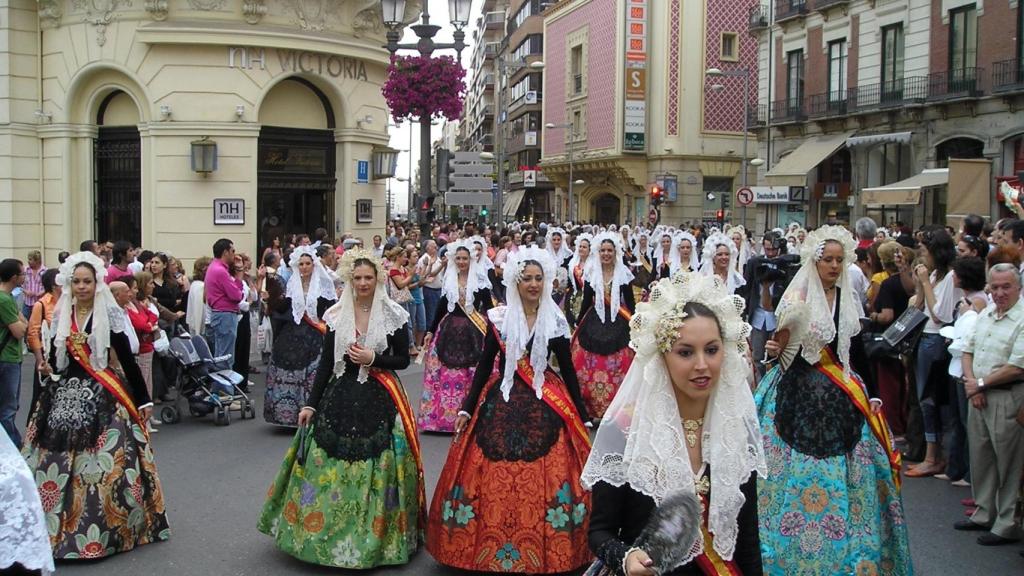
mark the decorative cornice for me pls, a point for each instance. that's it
(157, 9)
(50, 13)
(253, 11)
(358, 136)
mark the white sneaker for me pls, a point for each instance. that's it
(154, 421)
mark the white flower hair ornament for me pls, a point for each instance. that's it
(346, 267)
(106, 315)
(813, 246)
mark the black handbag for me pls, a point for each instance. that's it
(899, 338)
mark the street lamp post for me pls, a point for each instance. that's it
(393, 16)
(744, 73)
(572, 142)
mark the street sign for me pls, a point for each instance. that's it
(771, 194)
(469, 198)
(460, 182)
(466, 157)
(229, 211)
(362, 171)
(745, 196)
(529, 178)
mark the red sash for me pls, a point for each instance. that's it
(710, 563)
(390, 382)
(78, 347)
(577, 273)
(554, 395)
(320, 326)
(831, 368)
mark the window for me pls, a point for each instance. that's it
(963, 39)
(730, 47)
(577, 69)
(794, 80)
(892, 62)
(837, 71)
(532, 44)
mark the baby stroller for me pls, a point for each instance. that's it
(208, 384)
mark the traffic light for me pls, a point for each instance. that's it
(483, 212)
(720, 215)
(657, 195)
(427, 207)
(442, 180)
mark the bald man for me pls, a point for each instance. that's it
(124, 298)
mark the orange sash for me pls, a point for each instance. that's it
(831, 368)
(476, 318)
(79, 349)
(320, 326)
(390, 382)
(554, 395)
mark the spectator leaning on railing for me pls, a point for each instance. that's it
(993, 364)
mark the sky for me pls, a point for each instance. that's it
(407, 161)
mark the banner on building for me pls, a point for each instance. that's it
(635, 66)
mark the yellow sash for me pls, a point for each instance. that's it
(476, 318)
(831, 368)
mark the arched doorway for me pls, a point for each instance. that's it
(958, 148)
(606, 209)
(296, 172)
(117, 170)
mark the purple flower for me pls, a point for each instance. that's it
(308, 494)
(418, 87)
(834, 527)
(792, 523)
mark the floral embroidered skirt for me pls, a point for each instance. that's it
(823, 516)
(102, 500)
(509, 498)
(346, 514)
(445, 387)
(291, 373)
(600, 376)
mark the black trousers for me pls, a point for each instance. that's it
(243, 343)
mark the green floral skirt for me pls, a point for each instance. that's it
(345, 514)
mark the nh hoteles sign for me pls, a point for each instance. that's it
(289, 61)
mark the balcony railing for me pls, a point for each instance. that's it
(1008, 76)
(487, 81)
(957, 83)
(789, 9)
(757, 18)
(525, 99)
(828, 104)
(789, 110)
(494, 20)
(577, 83)
(893, 93)
(487, 110)
(823, 5)
(491, 49)
(485, 140)
(757, 116)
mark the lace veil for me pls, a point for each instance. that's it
(511, 319)
(320, 284)
(450, 288)
(804, 310)
(386, 315)
(106, 314)
(744, 249)
(23, 535)
(707, 262)
(594, 274)
(564, 252)
(640, 440)
(677, 240)
(575, 260)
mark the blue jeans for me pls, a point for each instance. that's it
(931, 357)
(10, 391)
(222, 330)
(431, 298)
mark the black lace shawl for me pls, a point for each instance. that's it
(354, 419)
(612, 335)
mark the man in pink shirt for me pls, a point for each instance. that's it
(223, 294)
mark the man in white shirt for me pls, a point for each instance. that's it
(123, 295)
(378, 246)
(858, 280)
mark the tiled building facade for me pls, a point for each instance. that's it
(629, 77)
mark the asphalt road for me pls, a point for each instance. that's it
(215, 479)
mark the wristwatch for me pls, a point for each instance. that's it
(981, 383)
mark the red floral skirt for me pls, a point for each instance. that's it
(600, 376)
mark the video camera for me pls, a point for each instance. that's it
(780, 269)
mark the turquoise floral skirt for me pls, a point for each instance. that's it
(827, 516)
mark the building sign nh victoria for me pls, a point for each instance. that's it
(635, 101)
(289, 61)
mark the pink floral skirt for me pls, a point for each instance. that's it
(444, 390)
(600, 376)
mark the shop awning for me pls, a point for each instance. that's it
(872, 139)
(905, 192)
(792, 170)
(510, 204)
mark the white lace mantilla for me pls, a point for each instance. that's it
(23, 536)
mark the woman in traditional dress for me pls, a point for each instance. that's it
(350, 492)
(663, 255)
(509, 497)
(454, 342)
(485, 265)
(683, 422)
(600, 345)
(830, 503)
(577, 264)
(555, 243)
(642, 265)
(720, 260)
(686, 253)
(87, 440)
(298, 333)
(738, 234)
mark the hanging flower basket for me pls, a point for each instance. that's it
(419, 86)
